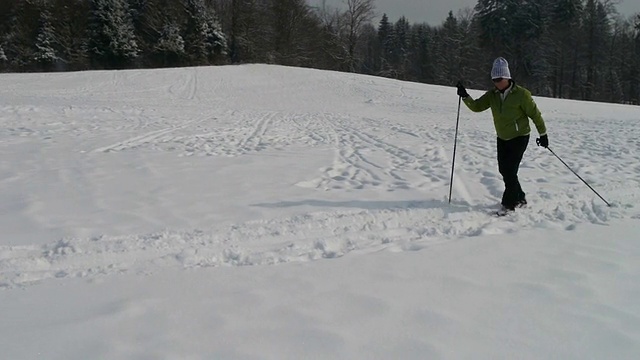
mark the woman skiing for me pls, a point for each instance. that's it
(511, 106)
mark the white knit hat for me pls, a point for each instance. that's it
(500, 69)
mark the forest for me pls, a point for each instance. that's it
(573, 49)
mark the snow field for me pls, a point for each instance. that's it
(265, 212)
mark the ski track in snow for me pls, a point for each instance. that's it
(406, 227)
(408, 151)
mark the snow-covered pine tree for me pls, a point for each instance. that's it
(45, 53)
(204, 39)
(3, 59)
(170, 46)
(71, 25)
(401, 47)
(18, 35)
(112, 40)
(216, 39)
(597, 28)
(564, 20)
(5, 9)
(385, 40)
(147, 17)
(170, 40)
(513, 29)
(448, 61)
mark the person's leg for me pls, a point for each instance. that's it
(520, 147)
(505, 170)
(510, 154)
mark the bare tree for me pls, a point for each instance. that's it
(290, 30)
(359, 13)
(333, 54)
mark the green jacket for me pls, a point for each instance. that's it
(511, 116)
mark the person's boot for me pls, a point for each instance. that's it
(505, 210)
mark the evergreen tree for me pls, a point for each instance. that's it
(251, 32)
(6, 8)
(596, 28)
(149, 18)
(473, 60)
(71, 25)
(449, 61)
(422, 62)
(385, 31)
(21, 31)
(45, 53)
(3, 57)
(204, 40)
(112, 41)
(619, 46)
(385, 40)
(564, 23)
(511, 28)
(170, 46)
(492, 16)
(369, 50)
(625, 51)
(401, 47)
(562, 48)
(634, 63)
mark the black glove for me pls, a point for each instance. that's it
(462, 92)
(543, 141)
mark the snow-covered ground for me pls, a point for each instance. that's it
(265, 212)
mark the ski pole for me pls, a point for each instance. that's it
(576, 174)
(455, 145)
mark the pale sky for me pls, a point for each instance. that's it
(434, 12)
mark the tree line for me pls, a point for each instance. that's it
(578, 49)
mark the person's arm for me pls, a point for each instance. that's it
(531, 110)
(482, 104)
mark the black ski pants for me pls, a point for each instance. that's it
(510, 154)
